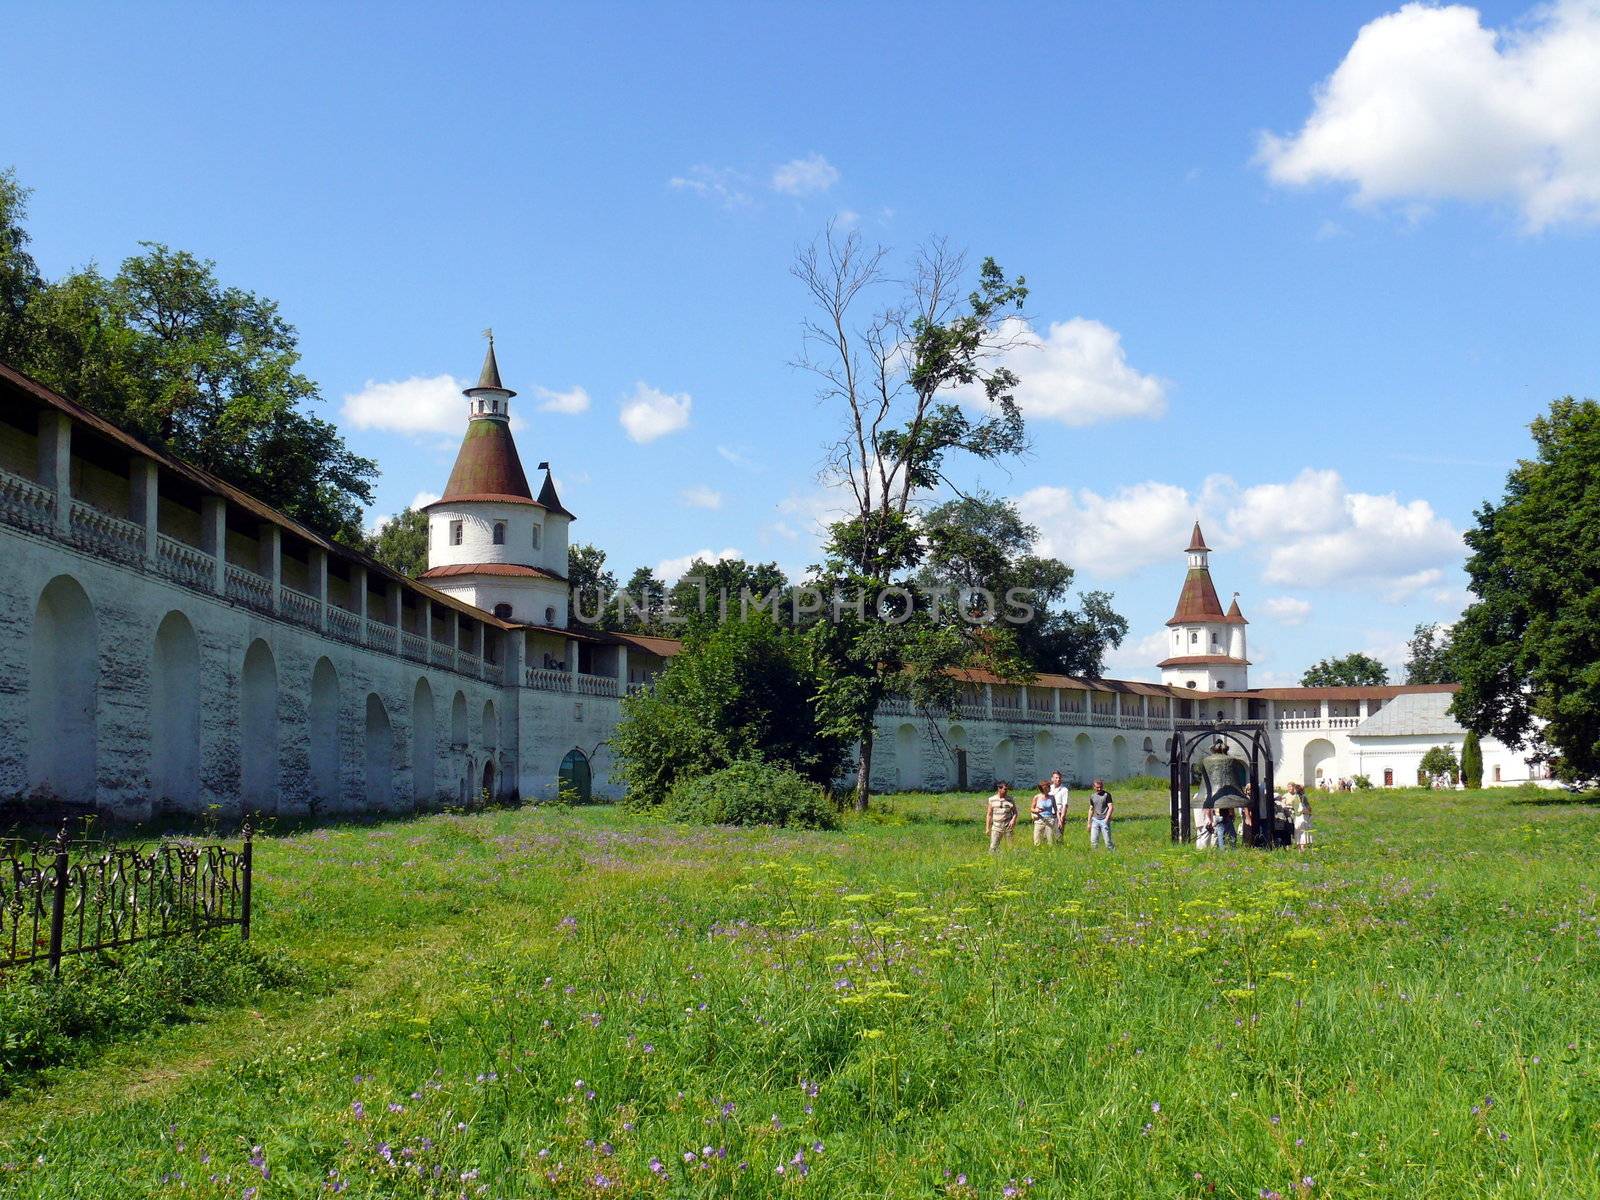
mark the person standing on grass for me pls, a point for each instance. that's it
(1046, 820)
(1058, 789)
(1101, 808)
(1301, 806)
(1000, 817)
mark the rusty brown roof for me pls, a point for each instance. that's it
(1126, 686)
(489, 376)
(548, 497)
(1235, 617)
(491, 569)
(487, 465)
(1197, 540)
(1203, 660)
(1198, 601)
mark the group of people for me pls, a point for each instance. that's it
(1048, 811)
(1214, 827)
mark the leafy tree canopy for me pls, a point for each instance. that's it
(591, 586)
(1440, 763)
(739, 690)
(980, 542)
(1429, 660)
(208, 372)
(1528, 648)
(1353, 670)
(402, 542)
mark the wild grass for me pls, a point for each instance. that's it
(579, 1002)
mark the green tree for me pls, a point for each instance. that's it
(1440, 763)
(401, 542)
(712, 591)
(20, 280)
(740, 690)
(645, 609)
(1471, 760)
(1528, 648)
(898, 378)
(207, 372)
(1428, 660)
(1352, 670)
(980, 542)
(592, 586)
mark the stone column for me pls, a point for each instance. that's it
(270, 560)
(392, 610)
(144, 501)
(358, 599)
(622, 670)
(513, 649)
(1055, 705)
(317, 567)
(1116, 707)
(1324, 722)
(55, 463)
(572, 662)
(1364, 712)
(988, 701)
(426, 604)
(214, 539)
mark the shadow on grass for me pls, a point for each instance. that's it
(1561, 800)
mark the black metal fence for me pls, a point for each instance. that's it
(55, 902)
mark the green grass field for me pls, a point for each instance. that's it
(576, 1002)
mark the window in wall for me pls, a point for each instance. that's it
(1222, 685)
(535, 537)
(455, 533)
(1191, 683)
(1388, 777)
(1497, 774)
(503, 611)
(550, 615)
(1193, 638)
(499, 533)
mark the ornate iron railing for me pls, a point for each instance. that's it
(344, 624)
(597, 685)
(548, 680)
(189, 565)
(25, 504)
(248, 588)
(105, 534)
(52, 906)
(298, 606)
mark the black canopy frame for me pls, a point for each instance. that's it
(1252, 740)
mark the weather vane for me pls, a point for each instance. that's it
(489, 333)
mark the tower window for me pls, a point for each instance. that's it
(503, 611)
(455, 533)
(1193, 638)
(499, 533)
(550, 615)
(535, 537)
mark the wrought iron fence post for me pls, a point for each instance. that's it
(245, 859)
(58, 904)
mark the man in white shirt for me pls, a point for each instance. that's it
(1059, 791)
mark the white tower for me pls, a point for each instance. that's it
(490, 542)
(1206, 645)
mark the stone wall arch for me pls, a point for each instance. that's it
(379, 754)
(908, 771)
(323, 731)
(258, 729)
(1319, 755)
(1005, 762)
(64, 688)
(1083, 764)
(175, 715)
(424, 744)
(1119, 758)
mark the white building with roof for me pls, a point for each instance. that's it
(169, 643)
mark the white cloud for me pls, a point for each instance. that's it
(572, 401)
(804, 176)
(1429, 105)
(1312, 502)
(1287, 610)
(421, 404)
(651, 413)
(722, 185)
(1112, 534)
(739, 456)
(701, 496)
(1137, 661)
(670, 570)
(1077, 373)
(423, 499)
(1377, 540)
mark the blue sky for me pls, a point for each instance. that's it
(1327, 346)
